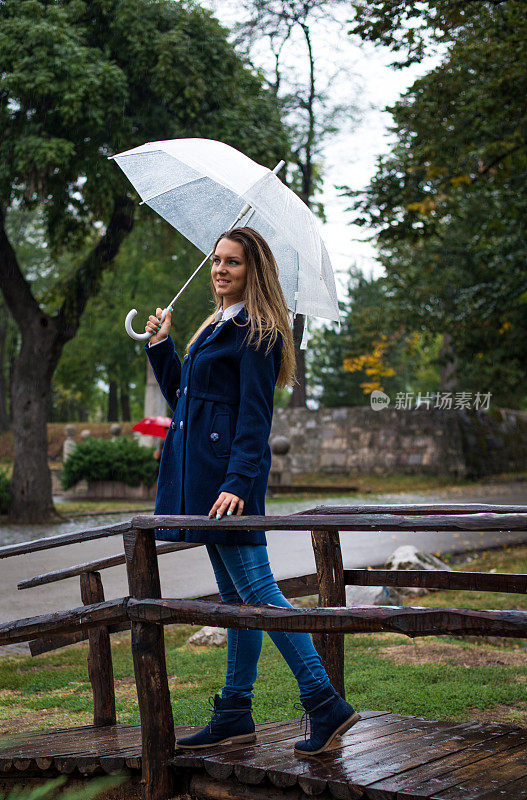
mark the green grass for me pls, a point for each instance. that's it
(438, 678)
(80, 508)
(506, 559)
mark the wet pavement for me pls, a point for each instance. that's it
(189, 573)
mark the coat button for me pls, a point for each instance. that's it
(173, 425)
(185, 390)
(181, 425)
(186, 357)
(214, 436)
(178, 393)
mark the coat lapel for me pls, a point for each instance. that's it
(241, 316)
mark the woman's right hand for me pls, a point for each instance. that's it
(160, 330)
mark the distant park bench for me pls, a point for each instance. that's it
(146, 612)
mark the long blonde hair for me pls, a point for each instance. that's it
(264, 300)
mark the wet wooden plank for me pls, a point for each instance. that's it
(239, 759)
(383, 756)
(490, 773)
(23, 630)
(286, 769)
(418, 508)
(391, 759)
(485, 521)
(516, 790)
(276, 762)
(410, 621)
(477, 743)
(86, 740)
(438, 579)
(250, 762)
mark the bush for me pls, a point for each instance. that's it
(98, 460)
(5, 492)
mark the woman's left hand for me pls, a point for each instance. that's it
(226, 503)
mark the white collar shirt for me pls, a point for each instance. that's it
(229, 313)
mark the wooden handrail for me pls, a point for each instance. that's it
(398, 619)
(417, 508)
(146, 612)
(73, 537)
(496, 518)
(341, 522)
(83, 618)
(507, 582)
(98, 564)
(411, 621)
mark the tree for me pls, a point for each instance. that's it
(306, 101)
(372, 350)
(447, 202)
(79, 82)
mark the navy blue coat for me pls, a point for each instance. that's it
(222, 398)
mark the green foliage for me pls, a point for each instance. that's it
(50, 789)
(448, 202)
(81, 81)
(372, 350)
(5, 492)
(123, 460)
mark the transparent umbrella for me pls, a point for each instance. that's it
(203, 187)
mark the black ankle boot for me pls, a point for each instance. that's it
(231, 722)
(329, 716)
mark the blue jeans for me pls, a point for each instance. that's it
(243, 575)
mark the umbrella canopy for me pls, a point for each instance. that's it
(153, 426)
(199, 187)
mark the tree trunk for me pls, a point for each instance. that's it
(113, 413)
(448, 365)
(43, 338)
(4, 414)
(125, 403)
(298, 398)
(31, 499)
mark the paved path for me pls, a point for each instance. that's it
(189, 573)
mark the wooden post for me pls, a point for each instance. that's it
(100, 667)
(148, 650)
(332, 592)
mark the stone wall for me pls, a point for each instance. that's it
(359, 440)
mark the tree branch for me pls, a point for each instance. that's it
(500, 157)
(86, 281)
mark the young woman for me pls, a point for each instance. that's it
(216, 461)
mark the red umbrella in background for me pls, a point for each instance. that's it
(153, 426)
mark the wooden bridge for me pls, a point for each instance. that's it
(384, 756)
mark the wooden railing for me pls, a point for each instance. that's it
(145, 612)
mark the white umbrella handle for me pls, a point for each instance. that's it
(139, 337)
(142, 337)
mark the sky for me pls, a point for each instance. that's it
(367, 80)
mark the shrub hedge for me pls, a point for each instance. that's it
(123, 460)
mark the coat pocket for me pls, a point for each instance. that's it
(220, 435)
